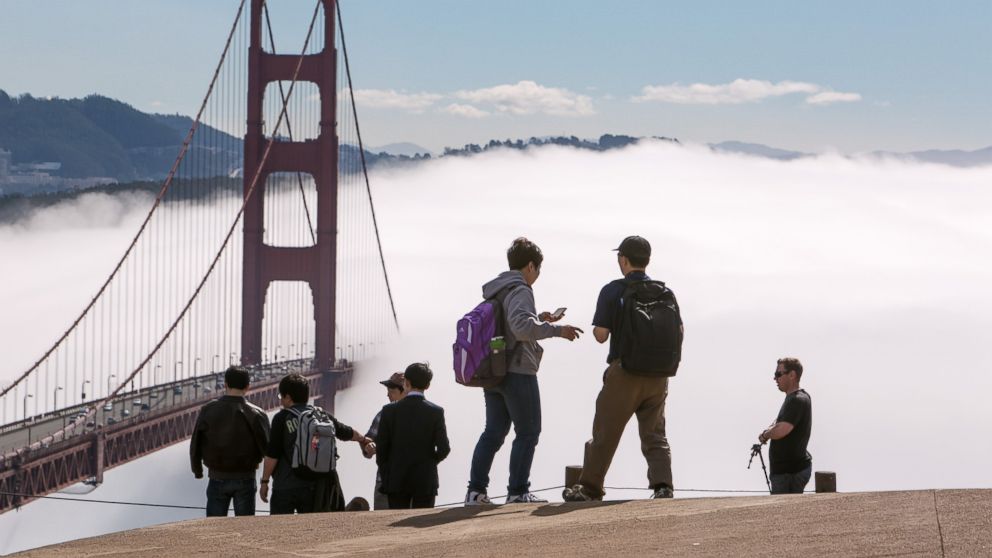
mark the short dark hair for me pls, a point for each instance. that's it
(522, 252)
(296, 387)
(237, 377)
(639, 261)
(792, 365)
(419, 375)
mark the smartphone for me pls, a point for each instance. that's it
(558, 313)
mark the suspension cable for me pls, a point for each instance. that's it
(158, 200)
(365, 170)
(230, 232)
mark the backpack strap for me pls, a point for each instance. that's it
(505, 322)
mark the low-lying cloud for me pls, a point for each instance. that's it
(870, 271)
(741, 91)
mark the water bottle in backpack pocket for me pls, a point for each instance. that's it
(650, 332)
(315, 447)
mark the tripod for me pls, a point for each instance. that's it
(756, 450)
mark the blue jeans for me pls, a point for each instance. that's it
(518, 401)
(221, 492)
(791, 483)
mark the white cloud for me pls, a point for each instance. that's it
(467, 111)
(521, 98)
(740, 91)
(528, 97)
(830, 97)
(392, 99)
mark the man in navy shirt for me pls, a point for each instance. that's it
(624, 393)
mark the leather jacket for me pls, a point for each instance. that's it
(230, 438)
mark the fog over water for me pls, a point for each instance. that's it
(875, 273)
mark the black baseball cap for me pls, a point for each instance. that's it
(634, 247)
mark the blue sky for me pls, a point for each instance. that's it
(851, 76)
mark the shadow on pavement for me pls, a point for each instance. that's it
(450, 516)
(558, 509)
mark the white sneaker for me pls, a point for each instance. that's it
(475, 498)
(527, 498)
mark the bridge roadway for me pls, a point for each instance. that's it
(130, 406)
(46, 453)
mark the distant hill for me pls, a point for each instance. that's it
(953, 157)
(758, 150)
(402, 148)
(99, 136)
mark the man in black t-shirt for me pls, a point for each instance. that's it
(293, 492)
(791, 464)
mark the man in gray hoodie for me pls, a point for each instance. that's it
(517, 400)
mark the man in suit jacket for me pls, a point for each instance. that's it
(412, 440)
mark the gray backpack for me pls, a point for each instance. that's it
(315, 448)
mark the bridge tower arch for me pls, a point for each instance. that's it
(317, 264)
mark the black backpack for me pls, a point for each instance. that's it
(650, 332)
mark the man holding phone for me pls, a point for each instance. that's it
(516, 400)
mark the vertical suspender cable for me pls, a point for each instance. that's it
(365, 172)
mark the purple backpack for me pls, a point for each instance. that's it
(479, 354)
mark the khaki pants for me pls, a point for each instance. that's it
(623, 395)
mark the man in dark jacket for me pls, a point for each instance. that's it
(293, 490)
(230, 438)
(394, 392)
(412, 440)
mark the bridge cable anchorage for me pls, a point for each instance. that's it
(365, 170)
(158, 200)
(289, 126)
(213, 264)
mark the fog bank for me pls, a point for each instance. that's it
(872, 272)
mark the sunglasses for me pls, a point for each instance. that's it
(780, 374)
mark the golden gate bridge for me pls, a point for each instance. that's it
(265, 220)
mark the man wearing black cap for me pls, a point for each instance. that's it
(627, 390)
(412, 440)
(394, 392)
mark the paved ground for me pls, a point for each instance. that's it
(919, 523)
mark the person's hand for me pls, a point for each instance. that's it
(263, 491)
(368, 450)
(570, 332)
(762, 438)
(549, 317)
(198, 475)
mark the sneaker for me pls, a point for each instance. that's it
(578, 493)
(527, 498)
(663, 492)
(476, 498)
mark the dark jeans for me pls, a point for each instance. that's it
(790, 483)
(407, 501)
(221, 492)
(518, 401)
(299, 500)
